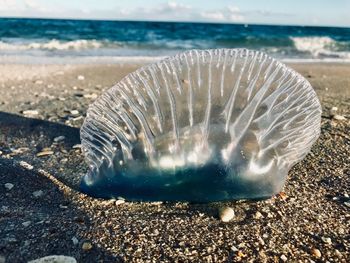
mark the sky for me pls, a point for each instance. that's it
(283, 12)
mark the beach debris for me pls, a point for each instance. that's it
(333, 111)
(75, 241)
(80, 77)
(76, 146)
(339, 117)
(174, 126)
(26, 223)
(54, 259)
(226, 214)
(119, 202)
(9, 186)
(91, 96)
(59, 138)
(316, 252)
(30, 112)
(283, 195)
(86, 246)
(326, 240)
(283, 258)
(26, 165)
(45, 152)
(74, 112)
(38, 193)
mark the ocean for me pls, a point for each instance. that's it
(28, 40)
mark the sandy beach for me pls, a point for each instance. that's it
(42, 213)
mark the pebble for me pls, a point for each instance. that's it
(91, 96)
(76, 146)
(119, 202)
(26, 223)
(80, 77)
(316, 252)
(339, 117)
(226, 214)
(9, 186)
(74, 112)
(44, 153)
(39, 81)
(347, 204)
(30, 112)
(59, 138)
(87, 246)
(333, 111)
(283, 258)
(2, 259)
(54, 259)
(26, 165)
(38, 193)
(258, 215)
(327, 240)
(75, 241)
(337, 253)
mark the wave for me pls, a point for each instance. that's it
(320, 47)
(54, 44)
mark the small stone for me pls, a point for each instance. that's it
(258, 215)
(26, 223)
(87, 246)
(226, 214)
(54, 259)
(38, 193)
(2, 259)
(337, 253)
(75, 241)
(9, 186)
(30, 112)
(80, 77)
(91, 96)
(346, 195)
(44, 153)
(59, 138)
(347, 204)
(74, 112)
(26, 165)
(119, 202)
(316, 252)
(283, 258)
(39, 82)
(333, 111)
(76, 146)
(327, 240)
(339, 117)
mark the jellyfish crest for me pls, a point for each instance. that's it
(203, 125)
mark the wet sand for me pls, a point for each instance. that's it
(43, 214)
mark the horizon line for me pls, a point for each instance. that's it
(170, 21)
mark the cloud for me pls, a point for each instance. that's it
(228, 14)
(9, 5)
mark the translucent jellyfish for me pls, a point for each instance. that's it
(204, 125)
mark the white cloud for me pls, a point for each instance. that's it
(229, 14)
(9, 5)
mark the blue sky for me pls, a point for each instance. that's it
(292, 12)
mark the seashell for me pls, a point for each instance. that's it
(204, 125)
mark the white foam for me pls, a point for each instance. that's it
(319, 47)
(56, 45)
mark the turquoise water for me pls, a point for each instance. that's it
(88, 38)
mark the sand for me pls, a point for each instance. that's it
(44, 214)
